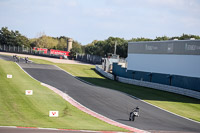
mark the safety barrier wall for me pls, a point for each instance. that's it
(190, 83)
(107, 75)
(157, 86)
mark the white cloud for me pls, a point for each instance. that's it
(99, 12)
(176, 4)
(72, 3)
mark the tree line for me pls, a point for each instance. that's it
(15, 38)
(100, 48)
(103, 48)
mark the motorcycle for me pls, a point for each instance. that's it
(134, 113)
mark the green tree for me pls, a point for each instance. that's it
(62, 44)
(89, 49)
(21, 40)
(6, 37)
(140, 39)
(187, 36)
(46, 42)
(163, 38)
(122, 49)
(13, 38)
(33, 42)
(102, 48)
(76, 48)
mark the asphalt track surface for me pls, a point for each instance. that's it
(110, 103)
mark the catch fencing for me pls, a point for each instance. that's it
(94, 59)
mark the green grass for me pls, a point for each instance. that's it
(41, 61)
(17, 109)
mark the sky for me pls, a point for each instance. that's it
(88, 20)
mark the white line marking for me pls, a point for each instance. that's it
(47, 128)
(28, 73)
(8, 126)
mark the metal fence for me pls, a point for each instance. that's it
(25, 50)
(94, 59)
(16, 49)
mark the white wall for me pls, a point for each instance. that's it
(168, 88)
(185, 65)
(106, 74)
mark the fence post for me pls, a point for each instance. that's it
(22, 48)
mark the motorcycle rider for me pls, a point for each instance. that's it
(134, 113)
(26, 59)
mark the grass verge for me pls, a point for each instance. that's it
(17, 109)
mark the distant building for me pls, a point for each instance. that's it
(174, 62)
(69, 44)
(175, 57)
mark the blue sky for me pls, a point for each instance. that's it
(88, 20)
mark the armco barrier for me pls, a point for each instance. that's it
(173, 89)
(186, 92)
(107, 75)
(190, 83)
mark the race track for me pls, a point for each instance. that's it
(110, 103)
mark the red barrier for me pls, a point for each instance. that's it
(41, 49)
(52, 51)
(59, 52)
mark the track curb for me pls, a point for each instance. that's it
(90, 112)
